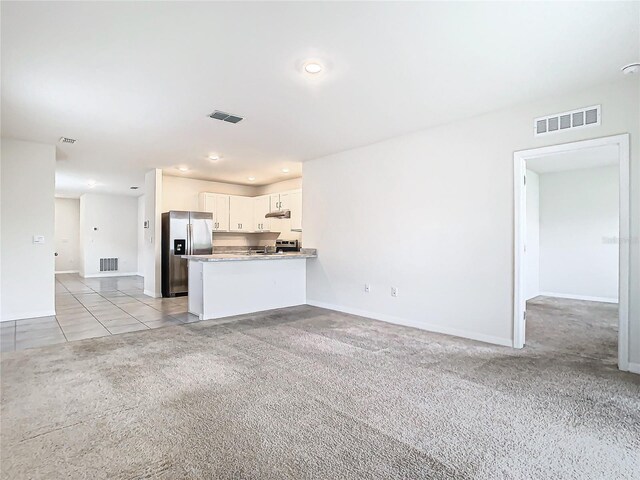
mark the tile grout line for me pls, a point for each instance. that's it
(92, 291)
(118, 306)
(56, 316)
(108, 300)
(90, 313)
(159, 311)
(85, 307)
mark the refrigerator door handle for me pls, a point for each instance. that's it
(191, 237)
(188, 249)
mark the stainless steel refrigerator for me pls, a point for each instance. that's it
(183, 233)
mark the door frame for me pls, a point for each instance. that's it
(519, 171)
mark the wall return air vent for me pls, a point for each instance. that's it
(225, 117)
(108, 264)
(581, 118)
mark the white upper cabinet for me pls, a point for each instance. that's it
(241, 214)
(207, 202)
(235, 213)
(279, 201)
(274, 202)
(261, 206)
(295, 205)
(221, 215)
(217, 204)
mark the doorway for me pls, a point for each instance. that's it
(576, 155)
(67, 235)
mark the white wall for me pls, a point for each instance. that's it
(108, 229)
(67, 234)
(179, 193)
(27, 287)
(579, 217)
(283, 186)
(532, 242)
(152, 241)
(432, 214)
(140, 230)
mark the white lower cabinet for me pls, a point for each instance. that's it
(240, 214)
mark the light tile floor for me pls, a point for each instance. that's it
(94, 307)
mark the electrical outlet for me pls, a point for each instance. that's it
(394, 291)
(367, 287)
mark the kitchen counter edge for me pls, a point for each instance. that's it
(234, 257)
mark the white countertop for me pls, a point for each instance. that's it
(244, 257)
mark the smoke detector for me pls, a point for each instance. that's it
(225, 117)
(67, 140)
(631, 68)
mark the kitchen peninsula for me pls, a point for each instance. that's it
(221, 285)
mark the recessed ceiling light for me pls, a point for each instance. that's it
(92, 183)
(631, 68)
(313, 68)
(285, 170)
(214, 157)
(251, 179)
(183, 168)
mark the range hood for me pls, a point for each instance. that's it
(279, 214)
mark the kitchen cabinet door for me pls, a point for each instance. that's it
(240, 214)
(295, 205)
(221, 214)
(274, 202)
(207, 203)
(285, 201)
(261, 206)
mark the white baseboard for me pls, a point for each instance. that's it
(411, 323)
(634, 367)
(23, 315)
(151, 294)
(109, 274)
(66, 271)
(579, 297)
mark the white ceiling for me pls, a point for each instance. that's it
(135, 81)
(593, 157)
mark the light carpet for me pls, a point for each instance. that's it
(308, 393)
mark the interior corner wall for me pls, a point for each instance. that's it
(579, 225)
(108, 224)
(27, 281)
(432, 214)
(140, 234)
(67, 235)
(152, 240)
(532, 242)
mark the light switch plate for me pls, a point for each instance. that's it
(38, 239)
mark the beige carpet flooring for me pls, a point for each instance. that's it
(306, 393)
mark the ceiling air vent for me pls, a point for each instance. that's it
(584, 117)
(67, 140)
(225, 117)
